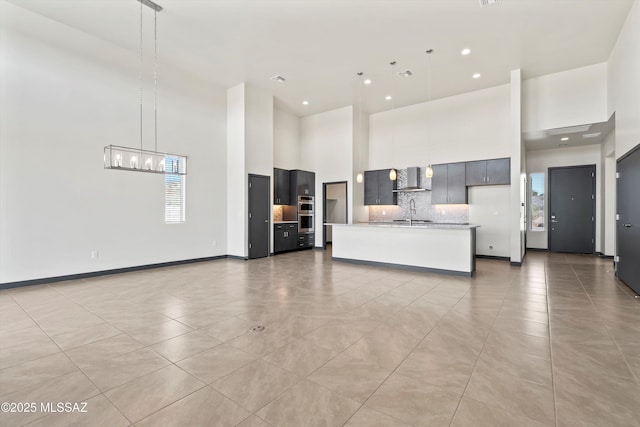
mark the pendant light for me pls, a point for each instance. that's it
(393, 174)
(138, 159)
(360, 175)
(429, 169)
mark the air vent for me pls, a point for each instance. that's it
(406, 73)
(484, 3)
(278, 79)
(592, 135)
(570, 129)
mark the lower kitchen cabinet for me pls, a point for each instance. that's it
(285, 237)
(306, 240)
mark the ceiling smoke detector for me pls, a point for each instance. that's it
(406, 73)
(278, 79)
(484, 3)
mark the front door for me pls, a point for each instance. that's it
(572, 205)
(259, 190)
(628, 223)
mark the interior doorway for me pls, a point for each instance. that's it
(335, 209)
(259, 191)
(628, 223)
(572, 209)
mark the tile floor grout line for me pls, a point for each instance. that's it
(70, 360)
(553, 377)
(624, 357)
(475, 364)
(405, 358)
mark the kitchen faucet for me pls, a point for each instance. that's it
(412, 210)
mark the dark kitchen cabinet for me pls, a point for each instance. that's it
(302, 183)
(281, 187)
(499, 172)
(285, 237)
(448, 185)
(378, 188)
(306, 240)
(488, 172)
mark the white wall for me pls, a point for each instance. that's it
(286, 140)
(66, 95)
(472, 126)
(236, 177)
(624, 83)
(490, 207)
(518, 171)
(542, 160)
(249, 151)
(568, 98)
(326, 149)
(336, 206)
(608, 184)
(360, 212)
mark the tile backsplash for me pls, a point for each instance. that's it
(277, 212)
(424, 209)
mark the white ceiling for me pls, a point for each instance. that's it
(587, 134)
(320, 45)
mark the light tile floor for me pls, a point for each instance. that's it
(553, 343)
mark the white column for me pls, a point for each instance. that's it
(518, 169)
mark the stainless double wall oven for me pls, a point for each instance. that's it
(306, 213)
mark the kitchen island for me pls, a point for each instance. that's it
(440, 248)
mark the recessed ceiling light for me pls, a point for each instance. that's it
(278, 79)
(476, 76)
(566, 138)
(388, 97)
(305, 102)
(484, 3)
(367, 81)
(465, 51)
(406, 73)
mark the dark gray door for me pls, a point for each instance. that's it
(572, 208)
(628, 224)
(258, 216)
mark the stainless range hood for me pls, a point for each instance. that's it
(413, 182)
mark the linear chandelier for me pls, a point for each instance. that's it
(137, 159)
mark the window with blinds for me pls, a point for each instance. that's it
(174, 197)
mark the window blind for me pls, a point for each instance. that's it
(174, 197)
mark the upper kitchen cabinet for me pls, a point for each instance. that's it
(488, 172)
(281, 187)
(448, 185)
(302, 183)
(378, 188)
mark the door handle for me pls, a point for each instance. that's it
(267, 221)
(553, 220)
(626, 225)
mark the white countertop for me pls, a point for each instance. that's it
(427, 225)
